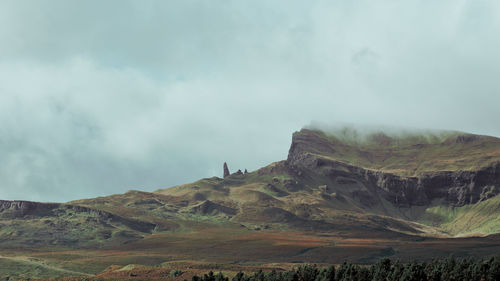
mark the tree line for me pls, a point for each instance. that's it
(449, 269)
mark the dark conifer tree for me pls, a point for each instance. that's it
(494, 270)
(240, 276)
(307, 272)
(382, 270)
(396, 271)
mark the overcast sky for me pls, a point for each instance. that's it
(99, 97)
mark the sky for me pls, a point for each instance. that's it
(101, 97)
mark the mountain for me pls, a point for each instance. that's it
(337, 196)
(427, 179)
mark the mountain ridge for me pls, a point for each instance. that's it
(409, 187)
(332, 194)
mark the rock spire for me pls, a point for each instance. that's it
(226, 170)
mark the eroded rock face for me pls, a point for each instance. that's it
(22, 209)
(457, 188)
(226, 170)
(29, 208)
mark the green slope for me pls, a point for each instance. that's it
(404, 155)
(480, 218)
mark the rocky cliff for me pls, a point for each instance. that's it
(315, 153)
(392, 186)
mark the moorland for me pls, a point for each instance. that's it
(338, 196)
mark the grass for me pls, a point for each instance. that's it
(480, 218)
(23, 267)
(282, 217)
(405, 155)
(225, 247)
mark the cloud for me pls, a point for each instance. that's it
(101, 97)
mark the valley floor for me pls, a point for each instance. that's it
(233, 249)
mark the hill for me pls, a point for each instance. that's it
(335, 197)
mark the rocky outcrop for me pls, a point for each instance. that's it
(37, 209)
(226, 170)
(29, 209)
(19, 208)
(457, 188)
(210, 208)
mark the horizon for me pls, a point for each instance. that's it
(354, 133)
(100, 98)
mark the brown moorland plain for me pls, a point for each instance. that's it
(232, 250)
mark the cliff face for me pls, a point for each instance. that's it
(380, 186)
(23, 208)
(313, 153)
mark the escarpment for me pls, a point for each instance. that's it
(443, 185)
(370, 164)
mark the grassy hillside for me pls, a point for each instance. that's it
(480, 218)
(275, 198)
(405, 155)
(323, 211)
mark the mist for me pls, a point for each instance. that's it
(101, 97)
(364, 133)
